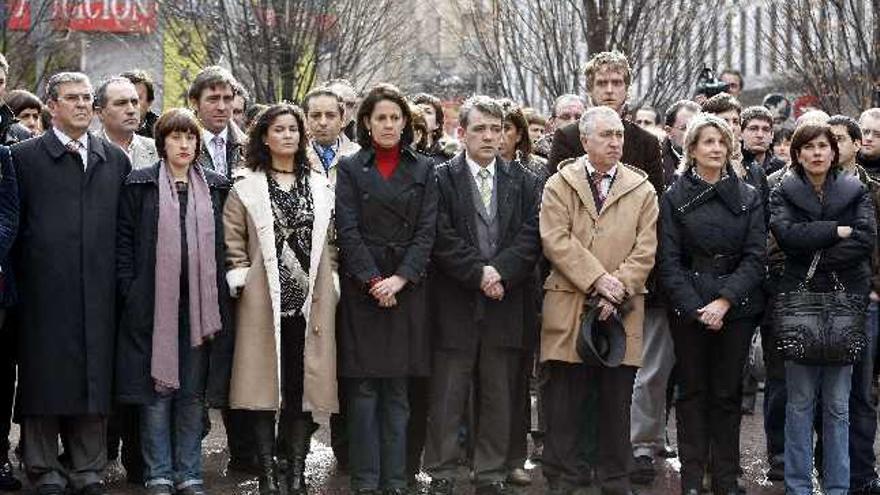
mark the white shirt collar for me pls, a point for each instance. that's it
(611, 172)
(64, 138)
(475, 168)
(209, 136)
(128, 149)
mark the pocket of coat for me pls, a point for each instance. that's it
(561, 311)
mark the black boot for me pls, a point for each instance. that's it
(300, 430)
(264, 429)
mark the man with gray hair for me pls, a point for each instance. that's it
(69, 183)
(117, 106)
(598, 229)
(869, 154)
(483, 304)
(567, 109)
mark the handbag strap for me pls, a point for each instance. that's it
(803, 286)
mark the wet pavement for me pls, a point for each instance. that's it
(324, 479)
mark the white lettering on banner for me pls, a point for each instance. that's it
(90, 15)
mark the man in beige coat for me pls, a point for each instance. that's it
(598, 229)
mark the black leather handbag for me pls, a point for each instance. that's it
(820, 328)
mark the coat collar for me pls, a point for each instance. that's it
(840, 190)
(150, 175)
(97, 147)
(627, 179)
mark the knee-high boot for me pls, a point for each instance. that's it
(265, 439)
(299, 429)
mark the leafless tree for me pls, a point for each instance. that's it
(279, 48)
(829, 49)
(546, 43)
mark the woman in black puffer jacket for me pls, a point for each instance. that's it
(711, 265)
(816, 208)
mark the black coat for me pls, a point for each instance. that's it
(671, 159)
(66, 266)
(461, 315)
(384, 227)
(136, 279)
(8, 225)
(641, 149)
(802, 225)
(723, 222)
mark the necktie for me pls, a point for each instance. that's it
(219, 154)
(73, 146)
(485, 187)
(327, 156)
(597, 178)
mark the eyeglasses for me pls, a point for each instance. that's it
(77, 98)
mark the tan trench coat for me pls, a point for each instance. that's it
(582, 245)
(253, 269)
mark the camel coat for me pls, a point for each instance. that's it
(253, 270)
(582, 245)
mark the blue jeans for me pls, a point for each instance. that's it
(805, 384)
(863, 409)
(172, 427)
(378, 412)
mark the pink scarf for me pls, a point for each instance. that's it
(204, 310)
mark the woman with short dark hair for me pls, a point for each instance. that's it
(817, 209)
(281, 265)
(174, 318)
(386, 208)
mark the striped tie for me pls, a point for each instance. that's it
(485, 187)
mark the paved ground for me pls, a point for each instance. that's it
(323, 478)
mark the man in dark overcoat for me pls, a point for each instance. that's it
(211, 95)
(482, 282)
(69, 183)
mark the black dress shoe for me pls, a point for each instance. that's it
(691, 491)
(440, 487)
(8, 481)
(494, 488)
(667, 452)
(643, 472)
(50, 490)
(92, 489)
(871, 488)
(394, 491)
(777, 473)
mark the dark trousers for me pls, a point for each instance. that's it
(417, 427)
(493, 373)
(378, 411)
(566, 397)
(86, 445)
(708, 406)
(775, 396)
(123, 427)
(339, 430)
(7, 384)
(521, 408)
(240, 436)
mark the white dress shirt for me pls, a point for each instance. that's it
(83, 141)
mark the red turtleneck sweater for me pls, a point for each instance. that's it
(387, 159)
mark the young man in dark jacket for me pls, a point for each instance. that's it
(9, 210)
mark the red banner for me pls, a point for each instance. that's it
(112, 16)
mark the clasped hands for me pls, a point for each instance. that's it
(491, 283)
(611, 292)
(385, 290)
(712, 314)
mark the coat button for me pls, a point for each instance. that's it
(366, 169)
(366, 196)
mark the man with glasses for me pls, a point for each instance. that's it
(869, 154)
(757, 136)
(69, 182)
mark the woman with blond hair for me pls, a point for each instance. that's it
(711, 265)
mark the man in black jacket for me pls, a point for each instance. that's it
(675, 122)
(482, 293)
(757, 135)
(869, 154)
(69, 184)
(608, 76)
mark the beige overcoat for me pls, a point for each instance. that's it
(582, 245)
(252, 274)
